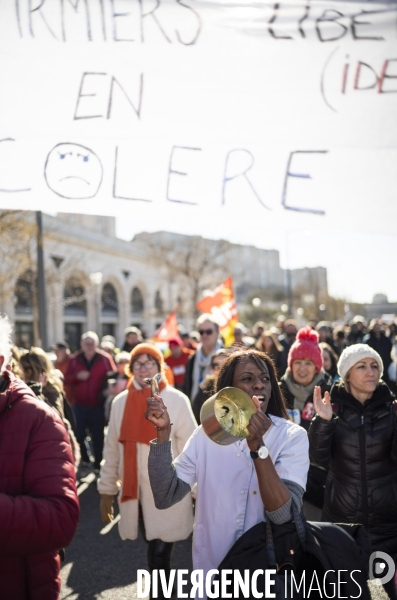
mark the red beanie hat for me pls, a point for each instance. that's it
(306, 347)
(149, 349)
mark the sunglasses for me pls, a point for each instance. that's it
(206, 331)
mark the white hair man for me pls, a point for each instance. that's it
(87, 375)
(39, 513)
(199, 365)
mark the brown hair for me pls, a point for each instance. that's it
(260, 343)
(14, 362)
(276, 404)
(220, 352)
(334, 357)
(36, 362)
(33, 365)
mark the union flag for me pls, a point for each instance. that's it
(221, 303)
(167, 330)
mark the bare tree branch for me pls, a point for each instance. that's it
(190, 261)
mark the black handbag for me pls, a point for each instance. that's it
(268, 546)
(301, 553)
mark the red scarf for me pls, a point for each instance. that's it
(135, 429)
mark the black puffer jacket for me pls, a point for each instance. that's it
(359, 445)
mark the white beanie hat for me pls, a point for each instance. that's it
(353, 354)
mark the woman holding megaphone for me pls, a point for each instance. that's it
(240, 483)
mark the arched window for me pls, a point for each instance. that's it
(24, 290)
(110, 305)
(74, 298)
(136, 300)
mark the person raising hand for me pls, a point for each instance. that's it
(322, 406)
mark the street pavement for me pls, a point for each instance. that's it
(100, 566)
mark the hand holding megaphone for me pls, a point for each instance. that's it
(258, 424)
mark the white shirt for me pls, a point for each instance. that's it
(228, 498)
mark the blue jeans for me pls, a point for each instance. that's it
(93, 419)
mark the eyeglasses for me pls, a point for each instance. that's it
(216, 366)
(149, 364)
(206, 331)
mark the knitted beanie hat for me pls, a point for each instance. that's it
(353, 354)
(306, 347)
(149, 349)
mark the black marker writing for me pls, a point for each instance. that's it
(355, 24)
(114, 85)
(243, 173)
(108, 20)
(115, 195)
(172, 171)
(273, 20)
(75, 6)
(151, 13)
(81, 94)
(14, 190)
(38, 10)
(330, 16)
(302, 176)
(198, 18)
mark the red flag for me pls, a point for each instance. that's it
(167, 330)
(221, 303)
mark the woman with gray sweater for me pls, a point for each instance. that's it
(239, 485)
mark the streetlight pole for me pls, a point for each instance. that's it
(42, 300)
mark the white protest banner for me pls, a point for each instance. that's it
(243, 111)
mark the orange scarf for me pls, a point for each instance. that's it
(135, 429)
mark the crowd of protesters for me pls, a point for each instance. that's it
(336, 383)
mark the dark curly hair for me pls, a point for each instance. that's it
(276, 404)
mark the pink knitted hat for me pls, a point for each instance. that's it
(306, 346)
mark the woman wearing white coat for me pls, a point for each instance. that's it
(124, 470)
(239, 485)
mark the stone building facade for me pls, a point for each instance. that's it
(96, 281)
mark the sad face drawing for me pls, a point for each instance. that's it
(73, 171)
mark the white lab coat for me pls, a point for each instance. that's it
(228, 498)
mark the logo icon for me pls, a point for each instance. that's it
(381, 568)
